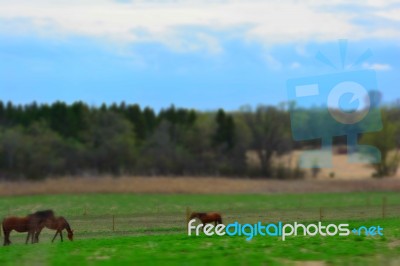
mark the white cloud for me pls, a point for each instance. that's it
(381, 3)
(377, 66)
(212, 44)
(268, 22)
(301, 50)
(390, 14)
(272, 62)
(295, 65)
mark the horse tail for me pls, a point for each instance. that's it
(2, 227)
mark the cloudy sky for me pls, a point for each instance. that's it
(200, 54)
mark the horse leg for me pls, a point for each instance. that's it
(54, 237)
(38, 231)
(33, 236)
(6, 237)
(61, 236)
(36, 237)
(27, 237)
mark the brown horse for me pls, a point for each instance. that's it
(30, 224)
(207, 217)
(19, 224)
(58, 224)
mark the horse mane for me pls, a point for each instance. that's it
(68, 227)
(43, 214)
(66, 224)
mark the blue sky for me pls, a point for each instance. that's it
(197, 54)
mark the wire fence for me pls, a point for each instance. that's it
(88, 225)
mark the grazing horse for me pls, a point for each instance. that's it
(58, 224)
(29, 224)
(207, 217)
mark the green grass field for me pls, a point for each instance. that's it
(114, 229)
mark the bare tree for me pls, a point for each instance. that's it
(269, 135)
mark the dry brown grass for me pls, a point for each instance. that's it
(199, 185)
(348, 177)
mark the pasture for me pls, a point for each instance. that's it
(150, 228)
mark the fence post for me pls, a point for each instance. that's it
(320, 214)
(187, 214)
(113, 223)
(384, 201)
(187, 217)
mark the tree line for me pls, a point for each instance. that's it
(45, 140)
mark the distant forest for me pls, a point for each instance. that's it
(38, 141)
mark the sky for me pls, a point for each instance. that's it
(195, 54)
